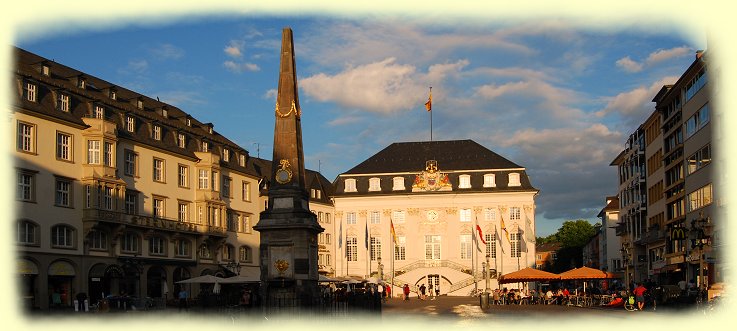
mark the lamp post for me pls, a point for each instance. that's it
(380, 268)
(487, 274)
(699, 239)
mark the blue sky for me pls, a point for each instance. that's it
(556, 95)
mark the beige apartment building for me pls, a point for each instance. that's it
(118, 193)
(435, 194)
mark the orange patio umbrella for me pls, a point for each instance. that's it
(528, 275)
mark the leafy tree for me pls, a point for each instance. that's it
(575, 233)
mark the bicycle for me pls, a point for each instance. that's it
(630, 304)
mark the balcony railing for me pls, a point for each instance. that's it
(148, 222)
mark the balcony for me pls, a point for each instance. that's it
(151, 223)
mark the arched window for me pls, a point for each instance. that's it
(204, 252)
(62, 236)
(27, 233)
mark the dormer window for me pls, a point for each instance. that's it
(226, 155)
(189, 122)
(464, 181)
(113, 95)
(374, 184)
(130, 123)
(30, 90)
(139, 103)
(45, 70)
(242, 160)
(209, 129)
(181, 140)
(164, 112)
(81, 83)
(157, 132)
(514, 179)
(398, 184)
(99, 112)
(205, 146)
(350, 185)
(63, 102)
(489, 180)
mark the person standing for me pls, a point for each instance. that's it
(406, 291)
(437, 290)
(639, 293)
(422, 292)
(183, 299)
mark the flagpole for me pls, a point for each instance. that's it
(473, 261)
(430, 113)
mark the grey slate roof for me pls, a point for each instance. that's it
(407, 159)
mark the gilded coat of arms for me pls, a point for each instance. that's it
(431, 179)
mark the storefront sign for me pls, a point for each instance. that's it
(61, 268)
(27, 267)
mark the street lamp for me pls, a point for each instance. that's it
(487, 274)
(699, 239)
(234, 267)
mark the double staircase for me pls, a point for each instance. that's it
(397, 281)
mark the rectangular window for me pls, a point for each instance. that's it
(246, 191)
(158, 207)
(205, 147)
(108, 154)
(375, 248)
(215, 178)
(242, 160)
(226, 187)
(400, 251)
(182, 247)
(489, 214)
(696, 84)
(130, 243)
(699, 159)
(351, 246)
(25, 187)
(374, 184)
(489, 180)
(26, 137)
(181, 141)
(130, 202)
(156, 245)
(398, 184)
(99, 112)
(398, 216)
(375, 217)
(157, 132)
(63, 146)
(464, 181)
(203, 179)
(514, 213)
(432, 247)
(230, 221)
(465, 215)
(63, 103)
(350, 185)
(130, 163)
(93, 152)
(183, 176)
(514, 243)
(30, 91)
(63, 193)
(62, 236)
(158, 170)
(226, 155)
(130, 124)
(490, 245)
(350, 217)
(466, 246)
(183, 212)
(699, 198)
(246, 224)
(107, 198)
(98, 240)
(697, 121)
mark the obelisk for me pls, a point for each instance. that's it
(288, 228)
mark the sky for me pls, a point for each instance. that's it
(558, 94)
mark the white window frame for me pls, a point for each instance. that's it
(31, 91)
(374, 184)
(226, 155)
(350, 185)
(130, 123)
(157, 132)
(375, 217)
(245, 191)
(99, 112)
(27, 233)
(245, 254)
(183, 212)
(63, 192)
(351, 247)
(489, 214)
(93, 151)
(464, 181)
(131, 202)
(226, 192)
(464, 215)
(26, 186)
(62, 236)
(400, 249)
(489, 180)
(130, 162)
(181, 140)
(98, 240)
(203, 179)
(183, 175)
(515, 213)
(64, 146)
(350, 217)
(399, 216)
(108, 154)
(26, 137)
(158, 170)
(433, 247)
(514, 179)
(375, 247)
(466, 246)
(64, 103)
(158, 207)
(398, 184)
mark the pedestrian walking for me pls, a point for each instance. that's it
(431, 291)
(422, 292)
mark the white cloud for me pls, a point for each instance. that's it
(345, 120)
(136, 66)
(234, 48)
(637, 102)
(237, 67)
(382, 87)
(629, 65)
(167, 52)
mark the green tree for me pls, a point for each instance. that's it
(575, 233)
